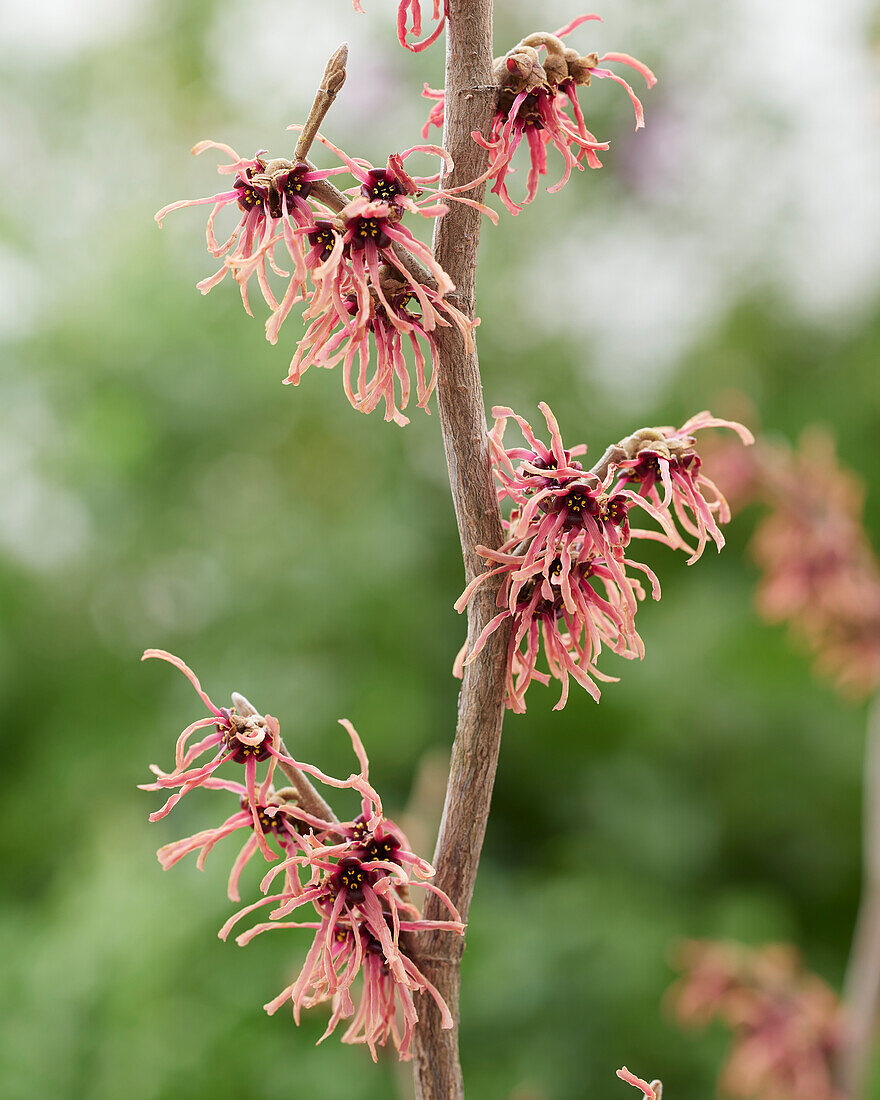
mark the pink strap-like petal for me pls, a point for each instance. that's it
(631, 1079)
(188, 673)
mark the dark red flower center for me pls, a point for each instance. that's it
(249, 198)
(381, 186)
(324, 236)
(579, 501)
(359, 830)
(385, 849)
(268, 822)
(365, 230)
(351, 877)
(648, 468)
(615, 510)
(242, 752)
(296, 186)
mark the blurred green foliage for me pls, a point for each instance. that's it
(165, 490)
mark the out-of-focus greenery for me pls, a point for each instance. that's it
(161, 488)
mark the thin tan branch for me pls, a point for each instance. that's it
(331, 82)
(307, 797)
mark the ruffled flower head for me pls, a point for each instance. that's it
(271, 198)
(564, 581)
(374, 297)
(356, 876)
(538, 81)
(665, 459)
(353, 877)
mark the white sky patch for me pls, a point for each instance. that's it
(275, 60)
(759, 167)
(52, 30)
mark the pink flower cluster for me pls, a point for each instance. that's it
(538, 81)
(353, 876)
(565, 582)
(786, 1023)
(369, 287)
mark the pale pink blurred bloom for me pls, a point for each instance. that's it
(819, 571)
(787, 1024)
(534, 100)
(565, 582)
(650, 1091)
(409, 22)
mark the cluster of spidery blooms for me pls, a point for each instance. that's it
(368, 286)
(537, 88)
(819, 571)
(353, 877)
(372, 295)
(786, 1023)
(565, 578)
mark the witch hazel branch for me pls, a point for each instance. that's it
(551, 580)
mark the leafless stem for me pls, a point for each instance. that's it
(331, 82)
(862, 984)
(470, 98)
(613, 453)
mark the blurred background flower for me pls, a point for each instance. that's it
(161, 487)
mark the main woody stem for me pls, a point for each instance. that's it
(470, 101)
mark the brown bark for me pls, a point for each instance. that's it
(862, 985)
(470, 100)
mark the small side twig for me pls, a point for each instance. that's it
(325, 191)
(614, 453)
(331, 82)
(308, 798)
